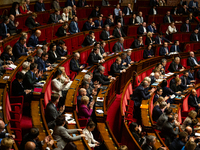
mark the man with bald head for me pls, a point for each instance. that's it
(82, 92)
(193, 100)
(188, 129)
(155, 77)
(192, 60)
(30, 146)
(34, 39)
(12, 25)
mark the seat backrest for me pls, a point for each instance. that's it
(48, 92)
(185, 104)
(132, 30)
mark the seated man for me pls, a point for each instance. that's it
(32, 77)
(43, 65)
(193, 6)
(139, 18)
(127, 10)
(73, 26)
(55, 5)
(74, 63)
(55, 17)
(51, 112)
(82, 3)
(38, 55)
(30, 21)
(179, 142)
(118, 31)
(34, 39)
(168, 18)
(152, 28)
(61, 48)
(142, 30)
(19, 49)
(183, 10)
(12, 25)
(164, 50)
(191, 77)
(124, 62)
(89, 39)
(116, 67)
(82, 92)
(193, 100)
(128, 58)
(186, 27)
(150, 142)
(62, 31)
(2, 133)
(4, 30)
(155, 77)
(118, 47)
(105, 34)
(175, 65)
(158, 110)
(109, 21)
(99, 22)
(175, 47)
(137, 43)
(159, 39)
(192, 60)
(94, 57)
(195, 36)
(88, 25)
(39, 6)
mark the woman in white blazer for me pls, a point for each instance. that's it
(171, 29)
(67, 13)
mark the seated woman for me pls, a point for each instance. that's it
(15, 9)
(159, 100)
(133, 20)
(85, 111)
(67, 14)
(148, 53)
(7, 55)
(176, 87)
(171, 29)
(62, 135)
(88, 134)
(25, 67)
(149, 40)
(23, 8)
(136, 132)
(190, 17)
(162, 2)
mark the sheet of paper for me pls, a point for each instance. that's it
(12, 66)
(100, 99)
(6, 77)
(99, 111)
(84, 70)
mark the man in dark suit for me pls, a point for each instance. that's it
(128, 58)
(74, 63)
(152, 28)
(158, 110)
(118, 31)
(19, 49)
(33, 40)
(124, 62)
(99, 23)
(13, 26)
(168, 131)
(193, 100)
(73, 26)
(105, 34)
(192, 60)
(155, 77)
(193, 6)
(99, 76)
(70, 3)
(109, 21)
(153, 10)
(61, 48)
(74, 10)
(51, 112)
(30, 21)
(89, 39)
(195, 36)
(137, 43)
(183, 10)
(127, 10)
(186, 27)
(116, 67)
(88, 25)
(185, 82)
(179, 142)
(2, 133)
(39, 6)
(32, 77)
(94, 57)
(164, 49)
(154, 3)
(4, 30)
(120, 18)
(55, 17)
(150, 143)
(142, 29)
(173, 80)
(82, 92)
(82, 3)
(191, 77)
(163, 118)
(175, 47)
(159, 39)
(43, 65)
(175, 65)
(62, 30)
(168, 18)
(118, 47)
(95, 12)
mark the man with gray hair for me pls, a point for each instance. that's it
(105, 34)
(119, 47)
(163, 62)
(175, 65)
(38, 55)
(150, 143)
(82, 92)
(124, 62)
(192, 60)
(74, 63)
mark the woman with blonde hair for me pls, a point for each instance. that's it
(85, 111)
(149, 40)
(160, 99)
(67, 13)
(171, 29)
(23, 8)
(188, 120)
(26, 67)
(6, 143)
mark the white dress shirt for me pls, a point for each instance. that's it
(89, 137)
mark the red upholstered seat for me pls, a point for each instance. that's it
(143, 75)
(111, 44)
(137, 80)
(138, 55)
(128, 42)
(132, 30)
(82, 122)
(47, 94)
(107, 10)
(164, 27)
(55, 28)
(81, 23)
(184, 63)
(81, 13)
(68, 43)
(186, 108)
(189, 47)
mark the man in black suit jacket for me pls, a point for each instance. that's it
(137, 43)
(157, 110)
(127, 10)
(175, 65)
(61, 48)
(32, 77)
(88, 25)
(94, 57)
(195, 36)
(192, 60)
(82, 3)
(159, 39)
(155, 77)
(95, 12)
(179, 142)
(89, 39)
(99, 76)
(62, 30)
(74, 63)
(39, 6)
(34, 39)
(55, 17)
(186, 27)
(42, 63)
(105, 34)
(175, 47)
(4, 30)
(12, 25)
(168, 18)
(183, 10)
(30, 21)
(118, 47)
(193, 100)
(142, 29)
(118, 31)
(51, 112)
(164, 50)
(150, 143)
(116, 67)
(185, 82)
(109, 21)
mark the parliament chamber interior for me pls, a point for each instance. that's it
(99, 75)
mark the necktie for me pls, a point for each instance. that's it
(175, 48)
(121, 47)
(196, 100)
(194, 60)
(176, 67)
(23, 51)
(185, 81)
(151, 28)
(187, 27)
(197, 37)
(99, 23)
(77, 63)
(166, 50)
(12, 23)
(160, 41)
(119, 32)
(76, 26)
(169, 19)
(108, 34)
(6, 28)
(56, 19)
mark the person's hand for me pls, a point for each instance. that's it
(124, 70)
(177, 123)
(62, 108)
(92, 23)
(63, 57)
(153, 90)
(139, 128)
(27, 91)
(111, 36)
(40, 73)
(129, 65)
(199, 105)
(80, 130)
(124, 63)
(91, 105)
(82, 135)
(10, 62)
(65, 47)
(8, 34)
(176, 116)
(96, 145)
(166, 98)
(81, 67)
(50, 143)
(49, 68)
(11, 135)
(5, 66)
(164, 148)
(168, 105)
(46, 139)
(29, 52)
(192, 139)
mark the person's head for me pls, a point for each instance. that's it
(119, 25)
(192, 69)
(34, 15)
(134, 16)
(168, 111)
(76, 56)
(107, 27)
(74, 7)
(160, 34)
(192, 114)
(110, 16)
(87, 78)
(57, 12)
(139, 37)
(156, 75)
(20, 76)
(39, 52)
(61, 43)
(23, 4)
(97, 8)
(91, 33)
(82, 92)
(58, 74)
(187, 21)
(100, 18)
(22, 40)
(34, 132)
(171, 118)
(196, 31)
(101, 69)
(177, 60)
(30, 146)
(65, 25)
(165, 44)
(145, 84)
(24, 34)
(27, 2)
(123, 56)
(186, 74)
(164, 61)
(129, 5)
(190, 145)
(53, 47)
(60, 120)
(45, 56)
(30, 59)
(133, 127)
(176, 42)
(163, 105)
(33, 67)
(128, 52)
(168, 13)
(118, 60)
(144, 24)
(90, 19)
(37, 33)
(91, 125)
(96, 50)
(123, 147)
(84, 100)
(149, 47)
(8, 49)
(178, 81)
(45, 48)
(118, 6)
(159, 91)
(188, 129)
(40, 1)
(75, 18)
(121, 40)
(26, 65)
(149, 34)
(184, 6)
(191, 54)
(194, 92)
(151, 140)
(148, 80)
(12, 17)
(65, 10)
(97, 44)
(172, 24)
(190, 14)
(2, 126)
(140, 14)
(55, 98)
(160, 99)
(6, 143)
(183, 136)
(120, 13)
(62, 69)
(103, 44)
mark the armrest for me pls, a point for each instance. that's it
(16, 99)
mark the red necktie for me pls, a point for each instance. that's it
(119, 32)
